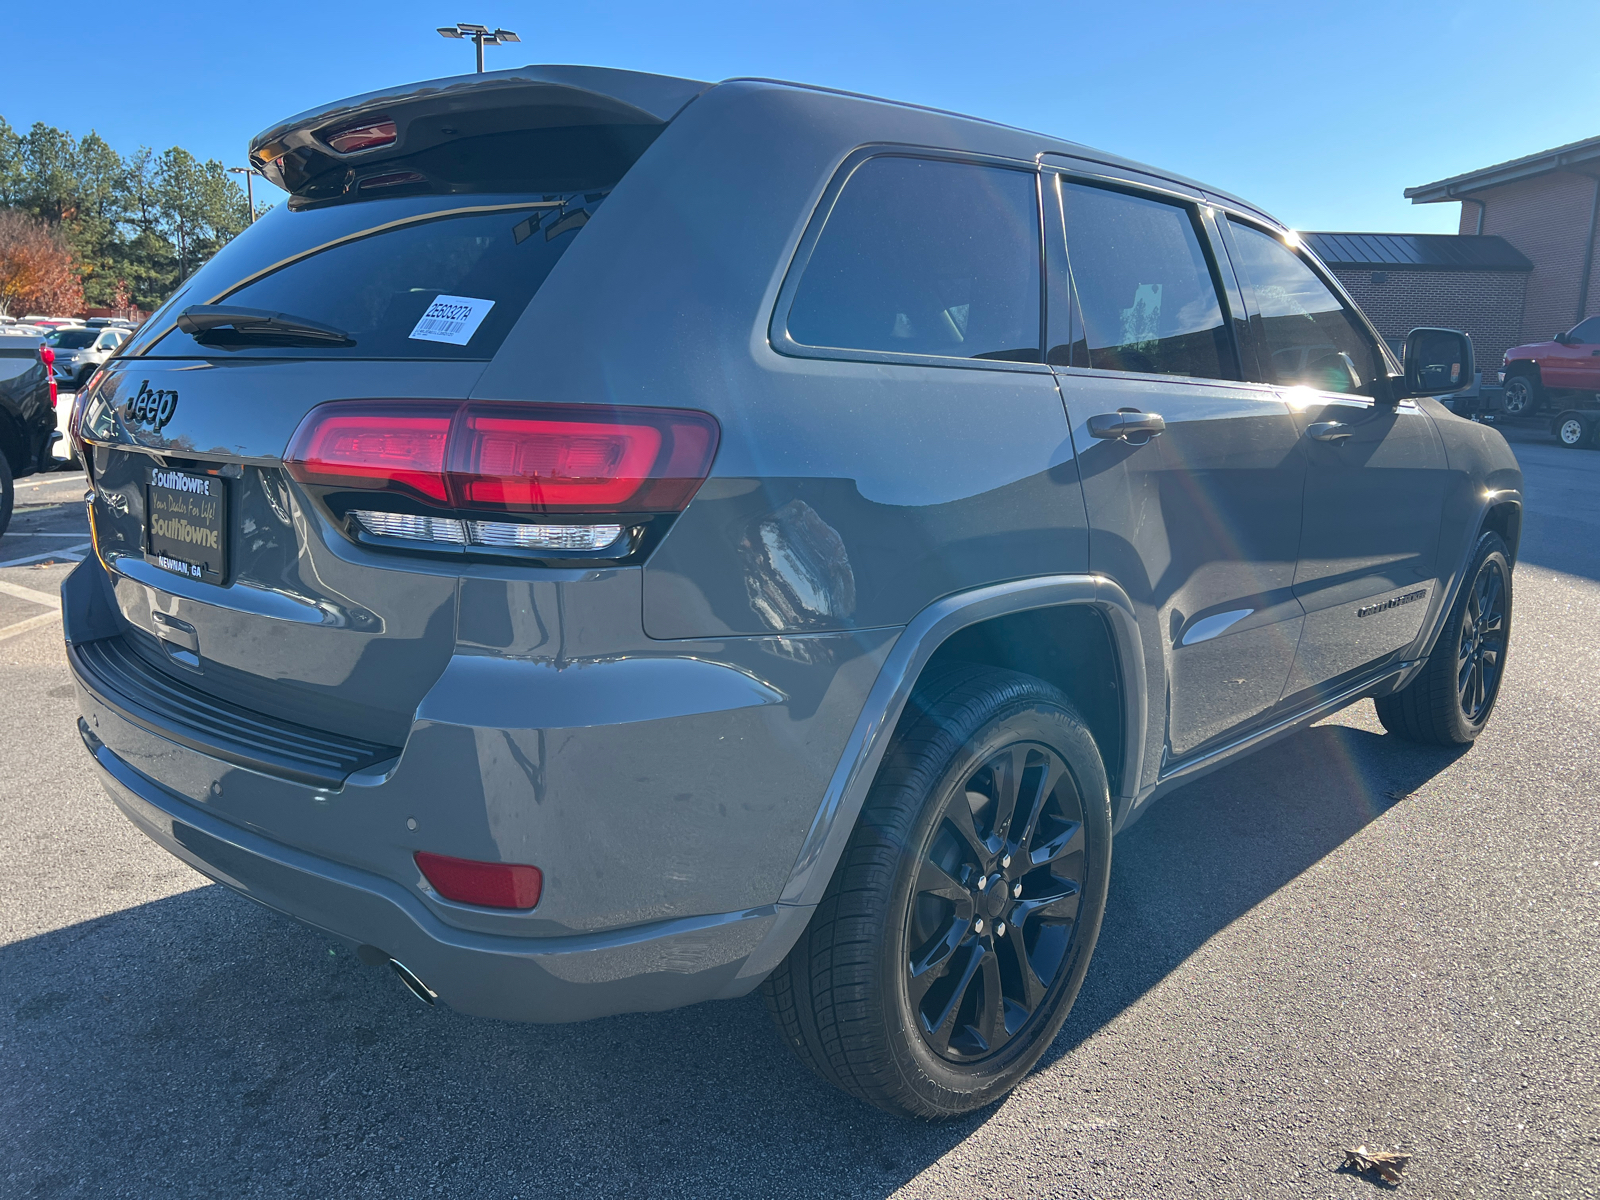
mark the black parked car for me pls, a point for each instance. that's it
(27, 415)
(609, 542)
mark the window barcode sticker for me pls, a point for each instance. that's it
(452, 319)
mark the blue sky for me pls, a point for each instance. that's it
(1320, 112)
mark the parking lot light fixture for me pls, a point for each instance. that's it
(481, 36)
(249, 190)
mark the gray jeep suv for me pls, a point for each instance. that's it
(610, 541)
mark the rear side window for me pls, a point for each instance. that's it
(1304, 335)
(926, 257)
(1146, 293)
(429, 278)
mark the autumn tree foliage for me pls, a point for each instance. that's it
(136, 225)
(37, 272)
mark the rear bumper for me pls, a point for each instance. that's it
(663, 965)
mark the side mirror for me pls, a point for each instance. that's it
(1437, 361)
(1560, 339)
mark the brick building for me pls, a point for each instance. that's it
(1547, 206)
(1403, 280)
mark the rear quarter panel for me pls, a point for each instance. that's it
(845, 494)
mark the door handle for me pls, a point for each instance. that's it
(1327, 431)
(1130, 425)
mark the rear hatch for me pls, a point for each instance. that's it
(419, 226)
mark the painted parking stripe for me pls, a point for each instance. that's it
(72, 552)
(11, 631)
(52, 599)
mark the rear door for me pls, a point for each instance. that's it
(1375, 487)
(1200, 523)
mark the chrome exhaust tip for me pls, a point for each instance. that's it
(413, 985)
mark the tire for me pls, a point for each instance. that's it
(1522, 395)
(8, 494)
(1451, 701)
(906, 938)
(1574, 430)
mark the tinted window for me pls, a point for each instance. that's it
(1146, 296)
(926, 257)
(1587, 332)
(1305, 337)
(377, 279)
(71, 339)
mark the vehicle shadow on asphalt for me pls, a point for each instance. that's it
(199, 1045)
(1209, 852)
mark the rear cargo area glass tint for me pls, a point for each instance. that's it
(430, 285)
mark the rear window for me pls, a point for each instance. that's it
(926, 257)
(436, 277)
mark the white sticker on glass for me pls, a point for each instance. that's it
(452, 319)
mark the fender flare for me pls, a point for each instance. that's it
(852, 778)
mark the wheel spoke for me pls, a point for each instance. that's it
(934, 962)
(940, 1028)
(1066, 841)
(959, 817)
(1033, 988)
(1060, 903)
(992, 1016)
(1007, 771)
(1054, 768)
(936, 881)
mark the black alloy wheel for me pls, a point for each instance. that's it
(957, 928)
(1481, 645)
(1451, 699)
(1521, 395)
(995, 904)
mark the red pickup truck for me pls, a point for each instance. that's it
(1541, 375)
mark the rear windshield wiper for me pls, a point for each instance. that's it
(205, 322)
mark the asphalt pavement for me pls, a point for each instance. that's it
(1345, 939)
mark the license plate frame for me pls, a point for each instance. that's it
(186, 524)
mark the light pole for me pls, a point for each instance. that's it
(249, 190)
(481, 36)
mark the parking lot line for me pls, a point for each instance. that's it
(22, 593)
(72, 552)
(31, 623)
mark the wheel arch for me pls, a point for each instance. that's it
(996, 621)
(1503, 516)
(993, 620)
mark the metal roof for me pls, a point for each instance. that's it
(1416, 251)
(1572, 154)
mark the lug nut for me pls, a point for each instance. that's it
(1016, 890)
(1000, 929)
(1006, 861)
(983, 882)
(977, 926)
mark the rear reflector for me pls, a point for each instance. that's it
(363, 136)
(489, 884)
(510, 458)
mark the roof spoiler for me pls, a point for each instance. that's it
(420, 116)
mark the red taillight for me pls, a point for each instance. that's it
(46, 355)
(488, 884)
(363, 136)
(52, 389)
(383, 447)
(522, 458)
